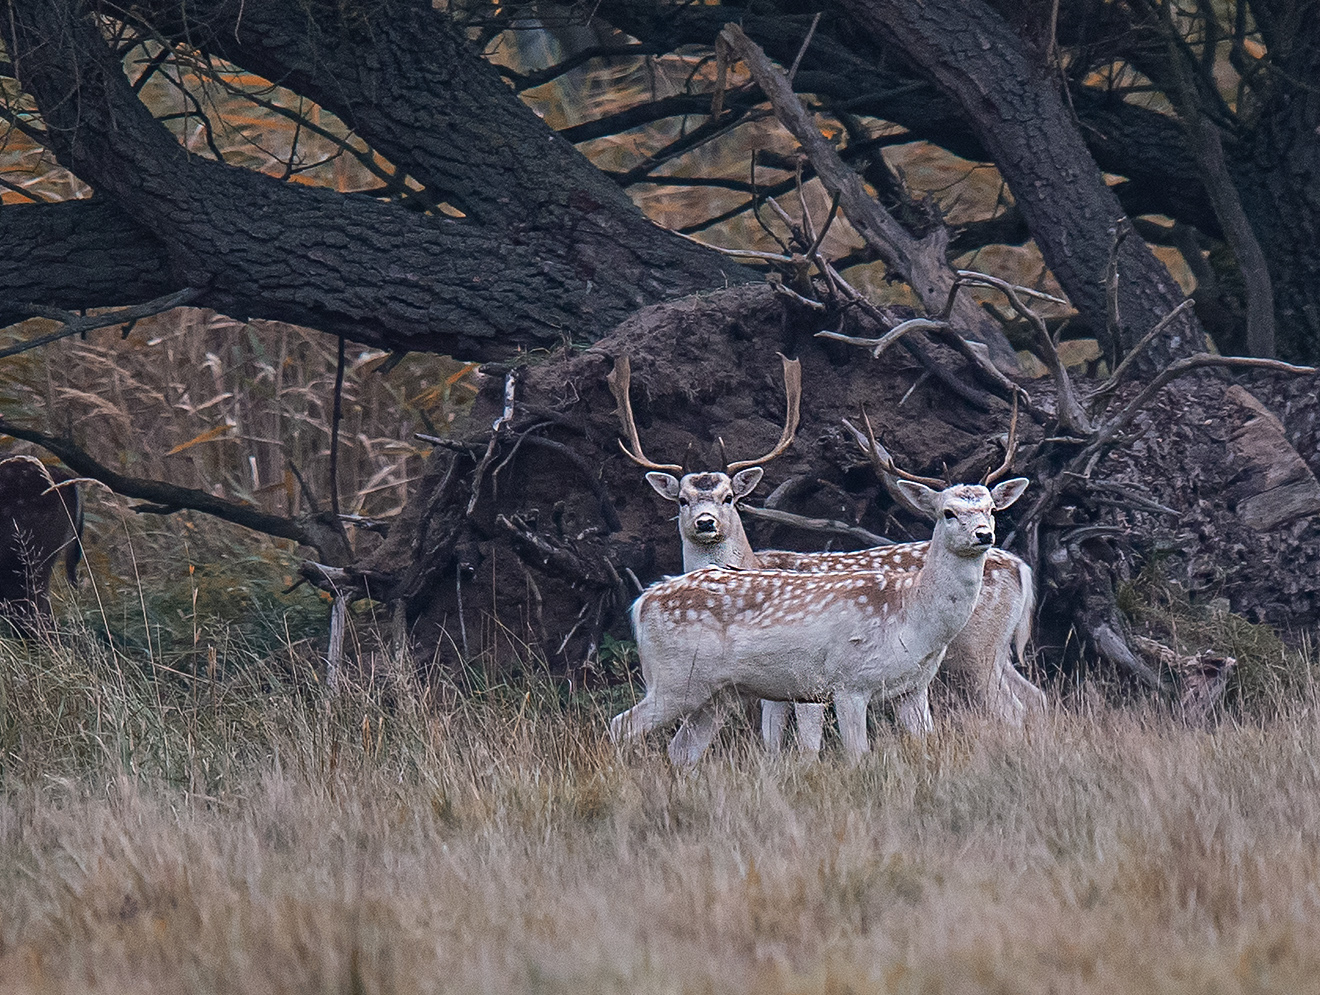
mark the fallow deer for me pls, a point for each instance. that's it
(712, 534)
(788, 636)
(709, 525)
(41, 517)
(982, 653)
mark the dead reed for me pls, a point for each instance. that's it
(233, 832)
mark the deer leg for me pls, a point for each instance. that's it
(695, 734)
(914, 712)
(774, 724)
(850, 709)
(691, 741)
(1031, 696)
(810, 727)
(651, 712)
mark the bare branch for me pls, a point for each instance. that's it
(166, 498)
(803, 50)
(827, 525)
(1072, 416)
(1107, 388)
(920, 262)
(81, 324)
(878, 346)
(1106, 434)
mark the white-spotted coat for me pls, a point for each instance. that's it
(787, 636)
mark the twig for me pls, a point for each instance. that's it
(803, 50)
(81, 324)
(827, 525)
(337, 415)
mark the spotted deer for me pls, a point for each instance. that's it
(982, 653)
(40, 518)
(845, 637)
(709, 525)
(712, 534)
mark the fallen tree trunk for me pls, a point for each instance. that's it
(527, 542)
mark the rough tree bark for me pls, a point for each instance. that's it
(520, 276)
(1021, 120)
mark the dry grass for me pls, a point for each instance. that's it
(239, 835)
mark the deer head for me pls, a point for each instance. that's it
(708, 518)
(964, 513)
(895, 478)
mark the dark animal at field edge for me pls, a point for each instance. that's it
(41, 517)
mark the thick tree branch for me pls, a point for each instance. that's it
(347, 265)
(973, 55)
(165, 498)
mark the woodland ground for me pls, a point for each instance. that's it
(231, 832)
(181, 811)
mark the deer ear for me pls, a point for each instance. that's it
(921, 496)
(1009, 491)
(665, 484)
(745, 481)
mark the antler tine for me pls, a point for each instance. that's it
(792, 402)
(881, 457)
(1010, 447)
(620, 381)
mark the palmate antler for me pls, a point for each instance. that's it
(619, 380)
(792, 402)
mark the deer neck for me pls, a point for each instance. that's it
(947, 587)
(734, 550)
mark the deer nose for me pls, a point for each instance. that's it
(706, 523)
(985, 536)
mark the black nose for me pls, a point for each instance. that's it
(706, 525)
(985, 537)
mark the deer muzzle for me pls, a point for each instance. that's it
(706, 525)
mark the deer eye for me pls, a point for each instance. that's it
(949, 515)
(728, 499)
(682, 502)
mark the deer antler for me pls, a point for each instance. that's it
(620, 379)
(792, 399)
(1010, 448)
(880, 456)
